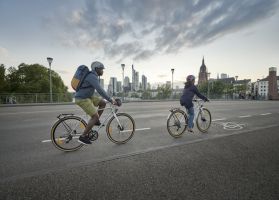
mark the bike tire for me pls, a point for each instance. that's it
(204, 124)
(177, 123)
(114, 132)
(67, 142)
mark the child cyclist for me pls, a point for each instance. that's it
(187, 97)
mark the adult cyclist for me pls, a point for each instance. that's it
(90, 103)
(187, 99)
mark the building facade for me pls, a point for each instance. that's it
(262, 86)
(203, 76)
(144, 82)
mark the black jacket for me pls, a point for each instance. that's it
(188, 94)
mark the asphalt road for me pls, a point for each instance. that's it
(237, 159)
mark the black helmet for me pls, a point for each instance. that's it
(97, 65)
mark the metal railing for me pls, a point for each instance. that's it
(21, 98)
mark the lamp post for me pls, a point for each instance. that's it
(172, 70)
(236, 84)
(49, 60)
(208, 76)
(123, 67)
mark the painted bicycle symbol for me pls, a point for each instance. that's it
(231, 125)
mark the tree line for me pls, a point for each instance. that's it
(31, 79)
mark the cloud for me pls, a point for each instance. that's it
(141, 29)
(63, 72)
(4, 53)
(162, 75)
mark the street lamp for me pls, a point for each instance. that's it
(208, 75)
(123, 66)
(172, 70)
(49, 60)
(236, 84)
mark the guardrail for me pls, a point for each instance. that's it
(39, 98)
(23, 98)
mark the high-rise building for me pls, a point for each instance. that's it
(119, 86)
(136, 81)
(102, 83)
(133, 79)
(127, 84)
(144, 82)
(223, 76)
(113, 85)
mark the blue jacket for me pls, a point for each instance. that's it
(188, 94)
(88, 86)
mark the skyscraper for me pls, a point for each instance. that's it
(113, 85)
(144, 82)
(136, 81)
(133, 78)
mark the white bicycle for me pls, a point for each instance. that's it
(66, 130)
(177, 121)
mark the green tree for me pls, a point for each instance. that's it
(216, 89)
(34, 79)
(134, 95)
(203, 88)
(146, 94)
(3, 82)
(164, 91)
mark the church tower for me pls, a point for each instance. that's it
(203, 73)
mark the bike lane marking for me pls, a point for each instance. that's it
(214, 120)
(138, 129)
(265, 114)
(244, 116)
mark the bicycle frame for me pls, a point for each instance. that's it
(113, 111)
(198, 108)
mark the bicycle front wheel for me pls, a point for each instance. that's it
(177, 123)
(203, 120)
(66, 131)
(121, 129)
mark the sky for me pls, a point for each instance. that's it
(236, 37)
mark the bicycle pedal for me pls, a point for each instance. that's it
(93, 135)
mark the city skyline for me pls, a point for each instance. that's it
(238, 38)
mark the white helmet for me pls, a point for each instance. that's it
(97, 65)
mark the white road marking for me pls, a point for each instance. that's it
(142, 129)
(244, 116)
(138, 129)
(46, 141)
(266, 114)
(214, 120)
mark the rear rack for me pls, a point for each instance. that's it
(64, 114)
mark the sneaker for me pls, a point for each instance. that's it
(84, 140)
(190, 130)
(98, 123)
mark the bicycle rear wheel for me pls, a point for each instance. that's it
(121, 129)
(177, 123)
(66, 131)
(203, 120)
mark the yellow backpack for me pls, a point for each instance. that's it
(80, 74)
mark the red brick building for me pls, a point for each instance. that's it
(202, 74)
(272, 84)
